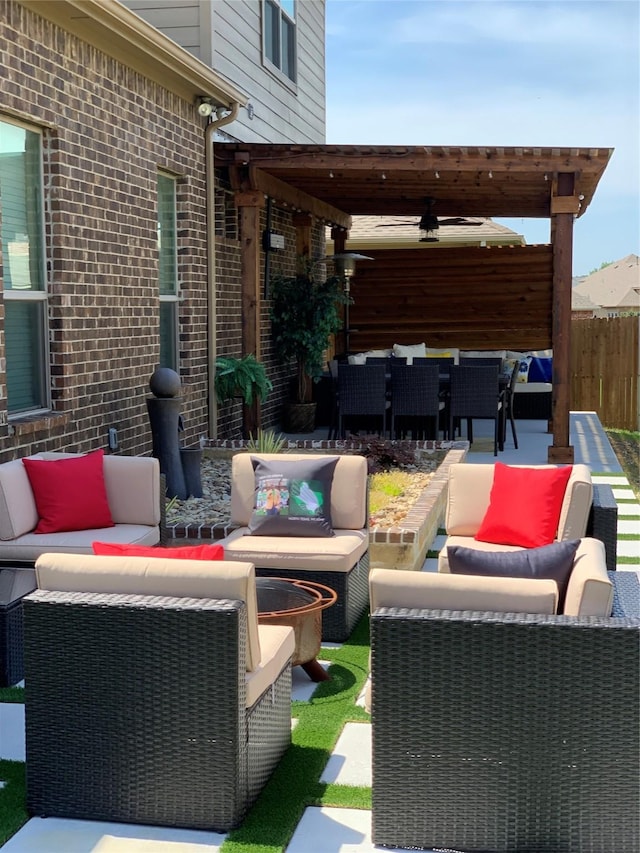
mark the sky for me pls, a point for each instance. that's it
(487, 72)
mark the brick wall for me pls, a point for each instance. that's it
(107, 131)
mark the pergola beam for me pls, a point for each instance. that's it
(252, 178)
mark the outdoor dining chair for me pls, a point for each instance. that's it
(506, 395)
(362, 397)
(415, 400)
(474, 393)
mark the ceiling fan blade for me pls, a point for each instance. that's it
(458, 220)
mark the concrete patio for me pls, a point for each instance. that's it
(325, 830)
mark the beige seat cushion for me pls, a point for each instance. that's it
(348, 490)
(222, 579)
(337, 553)
(31, 545)
(433, 591)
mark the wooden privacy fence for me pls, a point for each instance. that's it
(604, 370)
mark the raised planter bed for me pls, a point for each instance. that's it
(399, 547)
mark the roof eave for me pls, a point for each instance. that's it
(126, 37)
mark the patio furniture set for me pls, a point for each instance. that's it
(485, 729)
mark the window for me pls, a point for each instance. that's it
(25, 295)
(168, 271)
(279, 29)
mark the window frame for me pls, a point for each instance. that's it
(173, 298)
(32, 295)
(276, 68)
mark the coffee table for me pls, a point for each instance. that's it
(15, 583)
(299, 605)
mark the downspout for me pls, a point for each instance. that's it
(212, 338)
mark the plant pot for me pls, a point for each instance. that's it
(299, 417)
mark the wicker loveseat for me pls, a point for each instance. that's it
(134, 495)
(514, 732)
(153, 694)
(340, 561)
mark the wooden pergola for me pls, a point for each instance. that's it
(332, 183)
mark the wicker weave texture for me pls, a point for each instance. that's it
(603, 522)
(504, 732)
(362, 394)
(352, 587)
(15, 582)
(136, 712)
(11, 668)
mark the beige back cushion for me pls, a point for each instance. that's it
(132, 484)
(348, 491)
(133, 489)
(433, 591)
(156, 576)
(470, 488)
(18, 513)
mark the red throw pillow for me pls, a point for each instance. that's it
(70, 494)
(188, 552)
(524, 506)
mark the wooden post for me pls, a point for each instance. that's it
(562, 241)
(250, 204)
(303, 223)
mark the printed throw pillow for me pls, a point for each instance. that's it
(187, 552)
(553, 562)
(70, 494)
(292, 498)
(524, 506)
(523, 372)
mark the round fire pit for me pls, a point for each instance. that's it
(299, 605)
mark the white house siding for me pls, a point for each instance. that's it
(226, 34)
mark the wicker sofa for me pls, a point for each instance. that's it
(153, 694)
(515, 732)
(340, 562)
(134, 494)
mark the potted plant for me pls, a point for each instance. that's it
(304, 313)
(242, 377)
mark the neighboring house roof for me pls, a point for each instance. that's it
(403, 231)
(579, 302)
(615, 286)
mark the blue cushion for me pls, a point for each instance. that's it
(540, 369)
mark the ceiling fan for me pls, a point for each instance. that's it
(429, 222)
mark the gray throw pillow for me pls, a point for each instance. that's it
(551, 562)
(292, 498)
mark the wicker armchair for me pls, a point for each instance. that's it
(507, 731)
(148, 707)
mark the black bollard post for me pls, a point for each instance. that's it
(164, 417)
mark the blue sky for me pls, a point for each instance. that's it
(487, 72)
